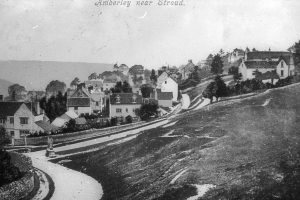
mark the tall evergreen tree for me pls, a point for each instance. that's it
(217, 65)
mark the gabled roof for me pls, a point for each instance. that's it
(59, 122)
(263, 55)
(165, 96)
(10, 108)
(46, 126)
(261, 64)
(125, 98)
(79, 102)
(81, 92)
(71, 114)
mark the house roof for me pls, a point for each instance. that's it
(263, 55)
(79, 102)
(165, 96)
(71, 114)
(261, 64)
(59, 122)
(125, 98)
(81, 92)
(10, 108)
(46, 126)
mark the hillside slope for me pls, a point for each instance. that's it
(4, 84)
(248, 149)
(37, 74)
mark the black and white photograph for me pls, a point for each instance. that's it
(150, 100)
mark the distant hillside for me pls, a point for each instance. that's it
(37, 74)
(4, 84)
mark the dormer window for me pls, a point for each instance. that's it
(118, 99)
(133, 99)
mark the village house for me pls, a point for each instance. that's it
(163, 99)
(80, 101)
(124, 104)
(18, 118)
(167, 84)
(187, 69)
(267, 61)
(235, 55)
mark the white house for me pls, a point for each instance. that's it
(267, 61)
(80, 101)
(168, 84)
(18, 119)
(123, 104)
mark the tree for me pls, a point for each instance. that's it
(195, 75)
(93, 76)
(75, 82)
(121, 87)
(126, 87)
(16, 92)
(148, 110)
(55, 106)
(217, 65)
(153, 77)
(146, 90)
(210, 91)
(296, 50)
(4, 138)
(221, 52)
(254, 49)
(128, 119)
(247, 49)
(55, 86)
(221, 88)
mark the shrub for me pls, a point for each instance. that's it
(8, 172)
(128, 119)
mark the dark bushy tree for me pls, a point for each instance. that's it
(56, 86)
(153, 76)
(148, 110)
(128, 119)
(217, 65)
(55, 106)
(121, 87)
(210, 91)
(15, 92)
(221, 88)
(146, 90)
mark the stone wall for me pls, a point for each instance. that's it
(22, 187)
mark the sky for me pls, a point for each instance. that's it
(80, 31)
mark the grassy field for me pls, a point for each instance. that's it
(248, 149)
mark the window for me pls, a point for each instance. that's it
(165, 82)
(281, 73)
(11, 120)
(97, 103)
(126, 109)
(12, 133)
(23, 120)
(2, 121)
(75, 108)
(118, 110)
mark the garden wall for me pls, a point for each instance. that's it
(22, 187)
(65, 137)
